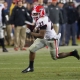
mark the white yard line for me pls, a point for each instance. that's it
(61, 47)
(45, 63)
(11, 50)
(46, 68)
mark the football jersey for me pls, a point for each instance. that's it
(45, 23)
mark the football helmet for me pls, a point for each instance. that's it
(42, 12)
(36, 11)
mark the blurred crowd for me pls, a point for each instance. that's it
(64, 15)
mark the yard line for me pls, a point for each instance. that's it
(61, 48)
(44, 63)
(47, 68)
(12, 52)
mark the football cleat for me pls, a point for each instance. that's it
(28, 70)
(75, 54)
(5, 50)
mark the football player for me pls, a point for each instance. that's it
(35, 15)
(46, 37)
(2, 27)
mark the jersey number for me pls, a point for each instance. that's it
(41, 24)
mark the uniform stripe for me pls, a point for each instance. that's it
(56, 46)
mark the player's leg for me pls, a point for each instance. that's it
(38, 44)
(2, 40)
(30, 68)
(3, 45)
(63, 55)
(72, 53)
(54, 51)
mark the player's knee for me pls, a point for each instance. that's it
(53, 55)
(54, 58)
(33, 49)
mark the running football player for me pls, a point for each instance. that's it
(46, 37)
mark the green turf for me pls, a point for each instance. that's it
(12, 63)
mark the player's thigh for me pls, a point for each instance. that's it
(38, 44)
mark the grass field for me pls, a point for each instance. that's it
(12, 63)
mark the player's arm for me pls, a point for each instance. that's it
(42, 29)
(40, 34)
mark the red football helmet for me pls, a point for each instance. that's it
(42, 12)
(36, 11)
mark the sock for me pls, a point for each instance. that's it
(31, 64)
(2, 43)
(71, 53)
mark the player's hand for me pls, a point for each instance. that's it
(35, 30)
